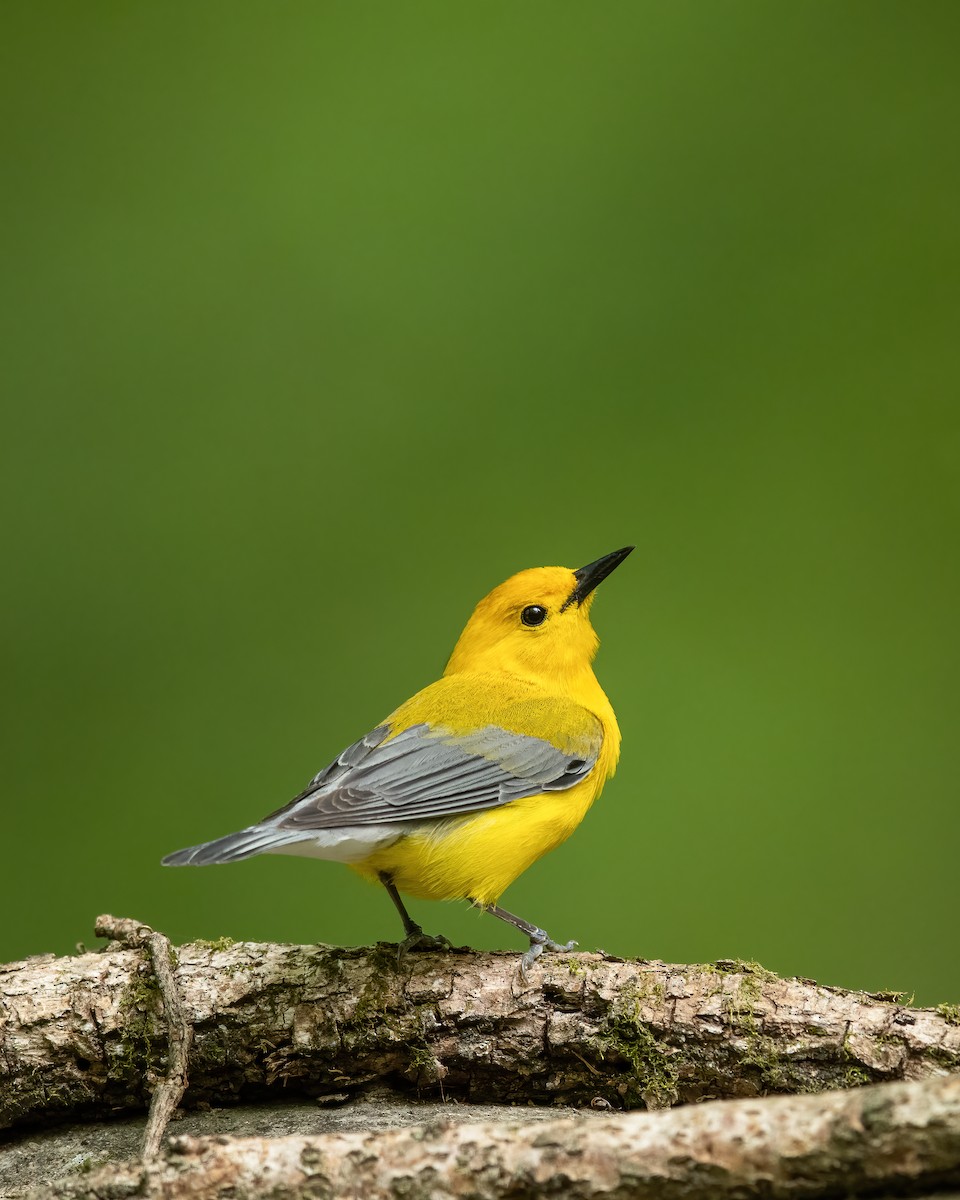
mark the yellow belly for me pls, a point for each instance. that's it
(479, 856)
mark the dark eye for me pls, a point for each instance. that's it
(533, 614)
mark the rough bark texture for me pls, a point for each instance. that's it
(82, 1148)
(86, 1036)
(92, 1037)
(896, 1137)
(168, 1091)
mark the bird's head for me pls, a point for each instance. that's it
(536, 624)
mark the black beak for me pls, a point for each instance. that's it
(593, 573)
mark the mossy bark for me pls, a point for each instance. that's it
(84, 1037)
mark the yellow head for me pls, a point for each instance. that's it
(537, 624)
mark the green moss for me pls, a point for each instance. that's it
(140, 1007)
(420, 1058)
(221, 943)
(383, 1014)
(424, 1068)
(892, 996)
(387, 957)
(763, 1057)
(737, 1006)
(855, 1075)
(949, 1012)
(373, 1001)
(653, 1075)
(943, 1058)
(645, 989)
(740, 985)
(741, 966)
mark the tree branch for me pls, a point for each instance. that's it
(169, 1090)
(88, 1036)
(903, 1137)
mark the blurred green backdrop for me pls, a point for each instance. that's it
(320, 319)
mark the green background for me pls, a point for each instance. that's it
(320, 319)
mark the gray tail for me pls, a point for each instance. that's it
(258, 839)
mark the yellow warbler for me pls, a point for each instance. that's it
(469, 782)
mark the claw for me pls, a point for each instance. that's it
(537, 947)
(418, 940)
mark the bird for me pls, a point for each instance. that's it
(472, 780)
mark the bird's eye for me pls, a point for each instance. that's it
(533, 614)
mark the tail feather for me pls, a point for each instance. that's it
(258, 839)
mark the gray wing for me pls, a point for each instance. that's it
(425, 773)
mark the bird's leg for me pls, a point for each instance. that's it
(415, 935)
(540, 940)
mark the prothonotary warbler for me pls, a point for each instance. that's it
(473, 779)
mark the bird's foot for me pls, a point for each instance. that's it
(540, 941)
(416, 939)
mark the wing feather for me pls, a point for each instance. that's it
(427, 772)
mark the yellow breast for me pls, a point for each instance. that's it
(479, 856)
